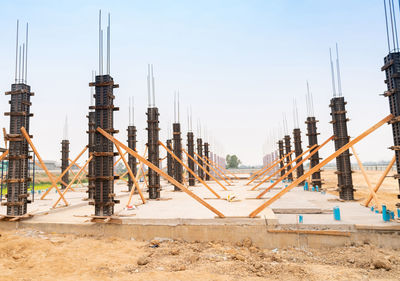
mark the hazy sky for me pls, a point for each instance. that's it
(239, 64)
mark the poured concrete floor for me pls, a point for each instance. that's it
(315, 207)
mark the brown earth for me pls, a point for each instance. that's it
(387, 194)
(32, 255)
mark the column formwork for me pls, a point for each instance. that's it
(200, 171)
(281, 154)
(392, 75)
(153, 151)
(312, 135)
(177, 141)
(288, 148)
(18, 150)
(103, 154)
(190, 147)
(207, 154)
(132, 162)
(65, 162)
(91, 148)
(341, 138)
(298, 150)
(170, 159)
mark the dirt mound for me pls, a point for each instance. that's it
(33, 255)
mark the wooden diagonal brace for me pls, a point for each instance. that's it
(189, 170)
(73, 180)
(161, 173)
(320, 165)
(205, 170)
(297, 165)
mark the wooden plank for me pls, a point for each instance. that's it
(320, 165)
(189, 170)
(161, 173)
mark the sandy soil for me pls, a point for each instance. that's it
(387, 194)
(33, 255)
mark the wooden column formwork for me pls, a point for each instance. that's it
(281, 154)
(288, 147)
(298, 150)
(170, 160)
(206, 155)
(18, 155)
(312, 135)
(131, 160)
(65, 161)
(160, 172)
(320, 165)
(391, 68)
(343, 164)
(177, 142)
(190, 149)
(91, 147)
(200, 171)
(153, 152)
(103, 155)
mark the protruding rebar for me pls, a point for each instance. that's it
(333, 74)
(16, 55)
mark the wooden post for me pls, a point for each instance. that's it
(371, 190)
(131, 174)
(53, 182)
(72, 181)
(160, 172)
(205, 170)
(297, 165)
(276, 172)
(381, 179)
(320, 165)
(189, 170)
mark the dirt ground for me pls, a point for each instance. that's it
(32, 255)
(387, 194)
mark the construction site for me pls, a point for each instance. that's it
(150, 198)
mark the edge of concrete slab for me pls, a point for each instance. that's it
(229, 230)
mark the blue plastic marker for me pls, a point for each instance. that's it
(398, 212)
(300, 218)
(391, 215)
(385, 216)
(336, 213)
(372, 208)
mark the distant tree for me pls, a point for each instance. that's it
(232, 161)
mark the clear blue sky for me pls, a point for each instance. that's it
(237, 63)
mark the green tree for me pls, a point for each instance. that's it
(232, 162)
